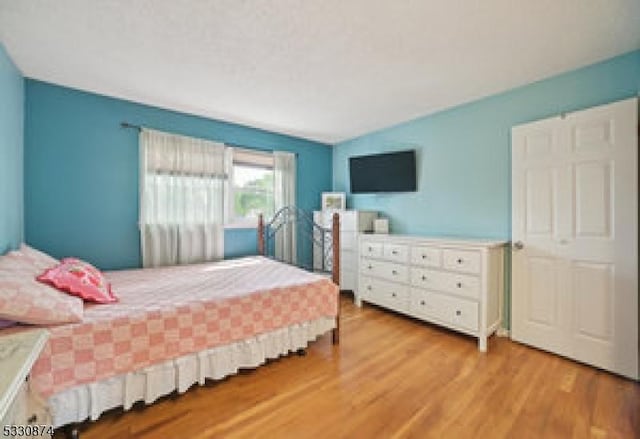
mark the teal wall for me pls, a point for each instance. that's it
(464, 153)
(11, 153)
(81, 171)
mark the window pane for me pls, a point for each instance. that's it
(253, 192)
(181, 198)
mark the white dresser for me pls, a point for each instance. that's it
(20, 414)
(450, 282)
(352, 222)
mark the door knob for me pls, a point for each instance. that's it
(518, 245)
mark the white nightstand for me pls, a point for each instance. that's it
(18, 351)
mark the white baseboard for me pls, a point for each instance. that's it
(502, 332)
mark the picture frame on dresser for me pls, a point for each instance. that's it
(334, 201)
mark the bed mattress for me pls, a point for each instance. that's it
(165, 313)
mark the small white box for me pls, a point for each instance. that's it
(381, 225)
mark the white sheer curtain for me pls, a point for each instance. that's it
(182, 198)
(284, 167)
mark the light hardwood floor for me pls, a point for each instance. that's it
(394, 377)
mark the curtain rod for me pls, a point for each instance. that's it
(130, 125)
(233, 145)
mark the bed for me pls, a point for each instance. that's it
(174, 327)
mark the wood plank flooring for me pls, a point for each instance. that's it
(394, 377)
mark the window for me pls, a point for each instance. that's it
(252, 188)
(182, 198)
(193, 197)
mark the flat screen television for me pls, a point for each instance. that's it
(389, 172)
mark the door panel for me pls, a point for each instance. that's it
(536, 318)
(539, 204)
(592, 133)
(593, 199)
(539, 144)
(575, 210)
(593, 293)
(541, 292)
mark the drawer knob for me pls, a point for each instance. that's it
(424, 277)
(394, 252)
(424, 256)
(394, 272)
(460, 261)
(370, 249)
(459, 284)
(458, 312)
(393, 294)
(369, 287)
(422, 303)
(369, 267)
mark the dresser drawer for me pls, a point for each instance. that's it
(461, 284)
(427, 305)
(371, 249)
(396, 252)
(423, 278)
(463, 261)
(387, 294)
(426, 256)
(452, 310)
(385, 270)
(464, 313)
(348, 221)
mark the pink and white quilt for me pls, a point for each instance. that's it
(165, 313)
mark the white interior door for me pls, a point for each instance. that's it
(575, 234)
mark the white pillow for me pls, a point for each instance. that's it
(39, 259)
(24, 299)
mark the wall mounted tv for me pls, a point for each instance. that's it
(389, 172)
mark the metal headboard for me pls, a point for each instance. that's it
(314, 243)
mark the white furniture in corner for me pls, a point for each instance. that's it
(454, 283)
(352, 222)
(18, 352)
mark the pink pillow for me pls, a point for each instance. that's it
(80, 279)
(23, 299)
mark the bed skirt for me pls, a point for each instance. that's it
(89, 401)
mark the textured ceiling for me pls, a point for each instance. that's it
(327, 70)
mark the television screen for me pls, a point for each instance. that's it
(390, 172)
